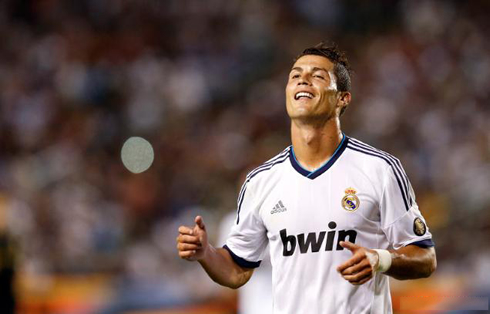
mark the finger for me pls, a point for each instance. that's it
(356, 267)
(186, 254)
(185, 230)
(363, 281)
(200, 222)
(359, 275)
(356, 258)
(188, 247)
(360, 280)
(349, 245)
(188, 239)
(366, 272)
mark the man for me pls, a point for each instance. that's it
(339, 215)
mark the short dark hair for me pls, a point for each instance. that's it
(341, 69)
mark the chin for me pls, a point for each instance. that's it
(300, 115)
(302, 107)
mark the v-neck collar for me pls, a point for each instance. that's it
(329, 163)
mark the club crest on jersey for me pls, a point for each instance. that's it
(350, 202)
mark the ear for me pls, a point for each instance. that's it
(344, 99)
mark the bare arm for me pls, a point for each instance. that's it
(192, 244)
(412, 262)
(409, 262)
(222, 269)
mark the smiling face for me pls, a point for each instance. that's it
(311, 92)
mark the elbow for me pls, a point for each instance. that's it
(234, 286)
(431, 265)
(237, 280)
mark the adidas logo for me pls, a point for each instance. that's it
(279, 208)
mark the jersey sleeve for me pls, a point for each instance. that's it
(247, 240)
(401, 220)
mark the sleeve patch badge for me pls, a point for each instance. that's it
(419, 227)
(350, 202)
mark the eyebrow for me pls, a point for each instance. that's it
(300, 69)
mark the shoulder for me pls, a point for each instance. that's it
(391, 172)
(263, 175)
(268, 168)
(372, 155)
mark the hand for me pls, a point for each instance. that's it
(361, 266)
(192, 243)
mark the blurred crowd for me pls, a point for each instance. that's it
(204, 82)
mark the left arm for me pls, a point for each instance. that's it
(401, 222)
(412, 262)
(409, 262)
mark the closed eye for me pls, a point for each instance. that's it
(319, 76)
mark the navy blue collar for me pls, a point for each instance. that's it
(329, 163)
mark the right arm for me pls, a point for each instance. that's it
(192, 244)
(222, 269)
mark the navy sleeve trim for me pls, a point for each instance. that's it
(424, 243)
(240, 261)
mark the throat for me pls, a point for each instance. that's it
(310, 139)
(313, 147)
(312, 164)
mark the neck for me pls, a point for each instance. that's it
(314, 144)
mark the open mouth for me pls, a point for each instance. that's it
(303, 95)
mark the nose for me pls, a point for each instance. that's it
(304, 79)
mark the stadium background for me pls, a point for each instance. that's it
(203, 81)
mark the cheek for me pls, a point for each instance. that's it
(332, 98)
(330, 95)
(329, 98)
(289, 93)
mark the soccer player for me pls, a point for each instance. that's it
(339, 215)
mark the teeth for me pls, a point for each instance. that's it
(303, 94)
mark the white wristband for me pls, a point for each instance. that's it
(384, 261)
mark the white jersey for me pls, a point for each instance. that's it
(256, 296)
(360, 194)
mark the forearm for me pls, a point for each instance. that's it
(412, 262)
(221, 268)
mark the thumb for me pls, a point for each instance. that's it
(200, 222)
(349, 245)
